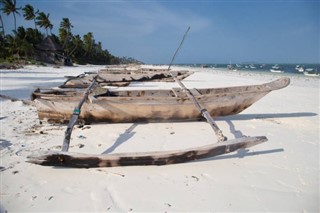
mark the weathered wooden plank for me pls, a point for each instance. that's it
(67, 159)
(122, 76)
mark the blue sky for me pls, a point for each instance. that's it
(237, 31)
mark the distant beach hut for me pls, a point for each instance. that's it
(50, 51)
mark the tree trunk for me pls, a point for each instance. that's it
(2, 26)
(15, 22)
(35, 25)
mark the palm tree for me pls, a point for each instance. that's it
(43, 21)
(66, 24)
(3, 47)
(33, 36)
(78, 51)
(2, 26)
(50, 26)
(11, 44)
(65, 31)
(88, 42)
(30, 14)
(8, 7)
(20, 33)
(23, 46)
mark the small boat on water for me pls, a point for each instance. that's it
(299, 68)
(311, 72)
(252, 66)
(276, 69)
(56, 106)
(123, 77)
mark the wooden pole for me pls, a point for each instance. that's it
(204, 112)
(75, 116)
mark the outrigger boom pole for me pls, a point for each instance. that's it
(204, 112)
(75, 116)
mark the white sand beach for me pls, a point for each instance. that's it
(281, 175)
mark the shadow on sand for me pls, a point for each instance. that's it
(237, 133)
(242, 153)
(122, 138)
(240, 117)
(4, 144)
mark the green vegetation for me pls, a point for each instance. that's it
(24, 44)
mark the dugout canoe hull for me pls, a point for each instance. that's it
(150, 105)
(123, 77)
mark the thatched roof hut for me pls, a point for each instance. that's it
(51, 51)
(49, 44)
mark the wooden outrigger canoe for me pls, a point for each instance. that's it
(122, 77)
(139, 105)
(56, 106)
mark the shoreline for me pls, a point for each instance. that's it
(52, 77)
